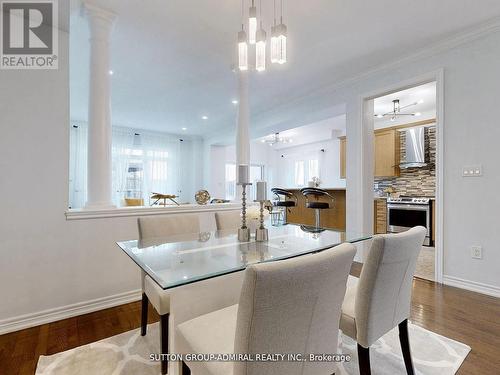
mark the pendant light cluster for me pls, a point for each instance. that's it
(258, 37)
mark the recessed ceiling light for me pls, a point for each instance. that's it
(380, 116)
(420, 101)
(111, 72)
(204, 117)
(263, 140)
(418, 114)
(184, 128)
(234, 101)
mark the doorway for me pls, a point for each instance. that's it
(406, 122)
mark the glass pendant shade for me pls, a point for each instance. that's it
(281, 44)
(252, 25)
(242, 50)
(260, 51)
(274, 45)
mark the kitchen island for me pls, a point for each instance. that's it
(332, 218)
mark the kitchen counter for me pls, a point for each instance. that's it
(333, 218)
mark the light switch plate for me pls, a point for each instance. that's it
(472, 171)
(476, 252)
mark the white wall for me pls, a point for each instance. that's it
(329, 162)
(471, 74)
(220, 155)
(48, 262)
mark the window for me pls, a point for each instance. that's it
(230, 182)
(256, 174)
(313, 169)
(299, 173)
(141, 164)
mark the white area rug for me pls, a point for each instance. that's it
(128, 354)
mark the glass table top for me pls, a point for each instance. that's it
(183, 259)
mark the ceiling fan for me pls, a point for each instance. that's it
(276, 138)
(396, 110)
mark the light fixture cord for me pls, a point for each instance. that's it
(260, 14)
(274, 6)
(242, 14)
(281, 16)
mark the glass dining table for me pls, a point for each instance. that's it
(179, 260)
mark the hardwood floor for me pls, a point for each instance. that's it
(461, 315)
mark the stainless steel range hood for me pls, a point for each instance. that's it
(415, 148)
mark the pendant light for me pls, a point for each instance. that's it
(274, 39)
(242, 50)
(260, 46)
(260, 51)
(252, 23)
(242, 42)
(281, 32)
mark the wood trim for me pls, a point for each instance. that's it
(409, 125)
(402, 126)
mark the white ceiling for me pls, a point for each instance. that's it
(316, 132)
(172, 59)
(425, 93)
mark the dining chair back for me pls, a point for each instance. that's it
(168, 225)
(292, 306)
(151, 228)
(226, 220)
(383, 296)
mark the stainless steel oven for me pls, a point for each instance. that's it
(404, 213)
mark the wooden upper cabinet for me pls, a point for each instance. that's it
(387, 153)
(343, 152)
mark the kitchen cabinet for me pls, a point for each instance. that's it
(387, 153)
(380, 216)
(332, 218)
(343, 153)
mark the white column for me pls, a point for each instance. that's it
(99, 115)
(242, 132)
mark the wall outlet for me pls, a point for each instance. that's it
(476, 252)
(472, 171)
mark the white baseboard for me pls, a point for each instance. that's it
(473, 286)
(64, 312)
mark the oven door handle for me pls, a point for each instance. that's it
(408, 207)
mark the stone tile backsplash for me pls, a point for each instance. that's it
(419, 182)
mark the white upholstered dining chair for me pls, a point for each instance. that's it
(289, 306)
(227, 220)
(380, 299)
(160, 227)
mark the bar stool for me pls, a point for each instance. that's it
(316, 205)
(284, 203)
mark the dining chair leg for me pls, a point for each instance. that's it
(364, 360)
(164, 341)
(185, 369)
(405, 346)
(144, 314)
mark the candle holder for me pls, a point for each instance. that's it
(244, 231)
(261, 234)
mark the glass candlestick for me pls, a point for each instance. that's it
(261, 234)
(244, 231)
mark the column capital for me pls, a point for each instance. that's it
(100, 19)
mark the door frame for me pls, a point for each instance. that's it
(366, 104)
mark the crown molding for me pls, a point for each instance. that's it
(91, 8)
(446, 44)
